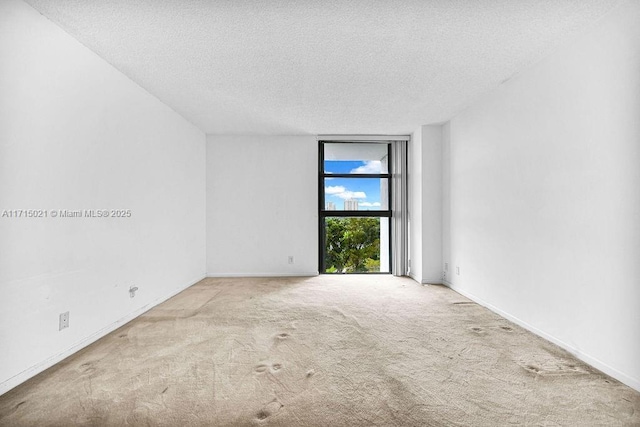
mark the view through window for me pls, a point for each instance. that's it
(354, 215)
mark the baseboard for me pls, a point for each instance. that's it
(299, 274)
(28, 373)
(424, 281)
(601, 366)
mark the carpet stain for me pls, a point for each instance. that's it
(531, 368)
(261, 368)
(554, 368)
(88, 368)
(269, 410)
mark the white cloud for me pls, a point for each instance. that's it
(343, 193)
(369, 205)
(336, 189)
(346, 195)
(371, 166)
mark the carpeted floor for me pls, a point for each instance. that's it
(321, 351)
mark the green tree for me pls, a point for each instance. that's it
(352, 245)
(334, 244)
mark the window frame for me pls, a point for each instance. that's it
(324, 213)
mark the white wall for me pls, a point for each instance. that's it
(543, 197)
(432, 204)
(262, 205)
(425, 204)
(447, 268)
(414, 182)
(77, 134)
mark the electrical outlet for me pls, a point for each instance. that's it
(446, 266)
(290, 259)
(63, 321)
(457, 270)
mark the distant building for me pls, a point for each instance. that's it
(330, 206)
(350, 205)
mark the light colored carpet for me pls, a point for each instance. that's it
(321, 351)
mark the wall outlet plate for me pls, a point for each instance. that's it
(63, 321)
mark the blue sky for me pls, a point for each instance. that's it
(365, 190)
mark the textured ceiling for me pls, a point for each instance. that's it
(320, 66)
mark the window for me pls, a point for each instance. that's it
(354, 207)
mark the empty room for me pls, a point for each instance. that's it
(319, 213)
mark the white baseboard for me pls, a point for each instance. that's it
(427, 281)
(49, 362)
(601, 366)
(298, 274)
